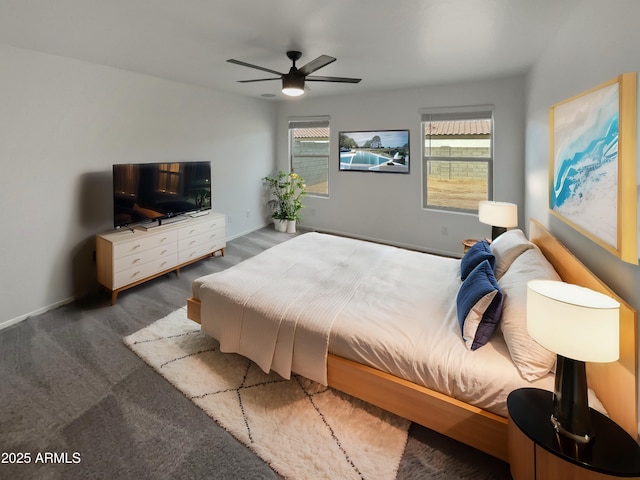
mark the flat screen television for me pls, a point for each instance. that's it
(153, 192)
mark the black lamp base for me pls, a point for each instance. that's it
(571, 416)
(497, 231)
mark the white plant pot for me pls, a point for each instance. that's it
(280, 225)
(291, 226)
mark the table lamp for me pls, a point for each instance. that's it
(579, 325)
(500, 215)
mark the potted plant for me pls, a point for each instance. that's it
(287, 189)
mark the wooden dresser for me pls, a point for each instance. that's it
(128, 257)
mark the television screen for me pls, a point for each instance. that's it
(146, 192)
(375, 151)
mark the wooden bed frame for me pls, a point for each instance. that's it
(614, 383)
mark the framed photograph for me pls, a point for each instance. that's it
(385, 151)
(592, 168)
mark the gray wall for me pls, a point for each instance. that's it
(599, 41)
(63, 123)
(388, 207)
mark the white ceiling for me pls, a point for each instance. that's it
(390, 44)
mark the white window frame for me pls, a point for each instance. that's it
(310, 122)
(456, 113)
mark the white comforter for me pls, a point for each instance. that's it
(278, 310)
(382, 306)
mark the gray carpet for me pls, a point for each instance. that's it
(69, 384)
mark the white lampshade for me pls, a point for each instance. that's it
(573, 321)
(498, 214)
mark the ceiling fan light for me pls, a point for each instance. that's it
(292, 92)
(292, 85)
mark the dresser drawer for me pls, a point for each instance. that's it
(201, 250)
(196, 229)
(144, 242)
(140, 272)
(201, 239)
(144, 256)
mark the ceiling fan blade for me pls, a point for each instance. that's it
(318, 63)
(258, 80)
(333, 79)
(245, 64)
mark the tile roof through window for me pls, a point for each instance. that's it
(458, 127)
(448, 127)
(311, 132)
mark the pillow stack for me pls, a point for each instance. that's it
(474, 257)
(532, 359)
(507, 247)
(480, 298)
(482, 302)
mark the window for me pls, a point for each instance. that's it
(458, 158)
(309, 150)
(169, 177)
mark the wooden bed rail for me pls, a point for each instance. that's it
(458, 420)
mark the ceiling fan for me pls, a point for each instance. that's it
(293, 82)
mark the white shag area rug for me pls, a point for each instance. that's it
(301, 428)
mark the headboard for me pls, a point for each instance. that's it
(616, 383)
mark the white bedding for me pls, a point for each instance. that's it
(278, 308)
(382, 306)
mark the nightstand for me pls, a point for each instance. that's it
(536, 451)
(468, 243)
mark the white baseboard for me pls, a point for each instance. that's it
(246, 232)
(39, 311)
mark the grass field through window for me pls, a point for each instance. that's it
(456, 193)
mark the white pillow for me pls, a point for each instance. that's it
(507, 247)
(532, 359)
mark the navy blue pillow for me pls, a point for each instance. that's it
(480, 252)
(479, 305)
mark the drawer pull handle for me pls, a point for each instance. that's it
(163, 264)
(192, 231)
(192, 242)
(163, 251)
(163, 239)
(136, 274)
(136, 246)
(136, 260)
(213, 235)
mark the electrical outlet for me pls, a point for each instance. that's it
(445, 231)
(229, 218)
(248, 213)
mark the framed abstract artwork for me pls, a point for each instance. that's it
(592, 165)
(385, 151)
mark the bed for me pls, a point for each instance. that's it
(381, 323)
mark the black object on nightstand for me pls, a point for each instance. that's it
(612, 451)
